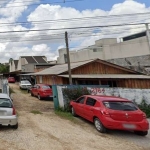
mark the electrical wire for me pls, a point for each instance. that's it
(81, 18)
(56, 2)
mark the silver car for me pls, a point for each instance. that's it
(25, 84)
(8, 115)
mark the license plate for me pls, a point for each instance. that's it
(129, 126)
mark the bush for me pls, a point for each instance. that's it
(72, 94)
(145, 108)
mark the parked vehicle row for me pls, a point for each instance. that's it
(107, 112)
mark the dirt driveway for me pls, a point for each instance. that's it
(47, 131)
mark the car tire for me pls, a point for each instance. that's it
(99, 126)
(141, 133)
(39, 97)
(31, 94)
(15, 126)
(73, 112)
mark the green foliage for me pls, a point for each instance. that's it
(145, 108)
(62, 113)
(36, 112)
(4, 68)
(72, 94)
(11, 91)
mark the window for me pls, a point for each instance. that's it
(46, 87)
(90, 101)
(81, 100)
(5, 103)
(124, 106)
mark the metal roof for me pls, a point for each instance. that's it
(107, 76)
(58, 69)
(39, 59)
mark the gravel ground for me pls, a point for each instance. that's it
(47, 131)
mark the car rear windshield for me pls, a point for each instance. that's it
(25, 82)
(124, 106)
(45, 87)
(5, 103)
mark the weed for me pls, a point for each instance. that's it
(36, 112)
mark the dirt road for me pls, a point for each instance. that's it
(47, 131)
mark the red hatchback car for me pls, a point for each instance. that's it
(108, 112)
(41, 91)
(11, 80)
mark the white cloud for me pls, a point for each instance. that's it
(49, 41)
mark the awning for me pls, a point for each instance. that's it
(107, 76)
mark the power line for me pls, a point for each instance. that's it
(74, 28)
(57, 2)
(80, 18)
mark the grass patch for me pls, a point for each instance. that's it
(11, 90)
(24, 91)
(36, 112)
(65, 115)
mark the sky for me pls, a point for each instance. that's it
(37, 27)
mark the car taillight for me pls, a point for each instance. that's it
(14, 111)
(105, 113)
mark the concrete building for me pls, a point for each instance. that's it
(132, 51)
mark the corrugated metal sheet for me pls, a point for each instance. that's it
(108, 76)
(55, 70)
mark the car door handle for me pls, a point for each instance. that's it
(91, 109)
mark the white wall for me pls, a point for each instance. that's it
(136, 95)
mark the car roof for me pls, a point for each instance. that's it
(105, 98)
(3, 95)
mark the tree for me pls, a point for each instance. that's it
(4, 68)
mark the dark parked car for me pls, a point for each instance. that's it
(108, 112)
(11, 80)
(41, 91)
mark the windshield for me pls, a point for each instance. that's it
(124, 106)
(5, 103)
(25, 82)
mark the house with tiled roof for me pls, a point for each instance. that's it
(28, 64)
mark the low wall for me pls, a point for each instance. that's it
(136, 95)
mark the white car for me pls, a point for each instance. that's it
(25, 84)
(8, 115)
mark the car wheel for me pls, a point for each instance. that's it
(99, 126)
(15, 126)
(73, 112)
(39, 97)
(142, 133)
(32, 94)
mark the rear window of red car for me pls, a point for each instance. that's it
(45, 87)
(118, 105)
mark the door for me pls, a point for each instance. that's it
(34, 90)
(89, 108)
(79, 108)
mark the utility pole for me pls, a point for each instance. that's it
(68, 58)
(148, 34)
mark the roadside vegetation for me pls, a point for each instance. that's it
(36, 112)
(11, 91)
(145, 107)
(73, 94)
